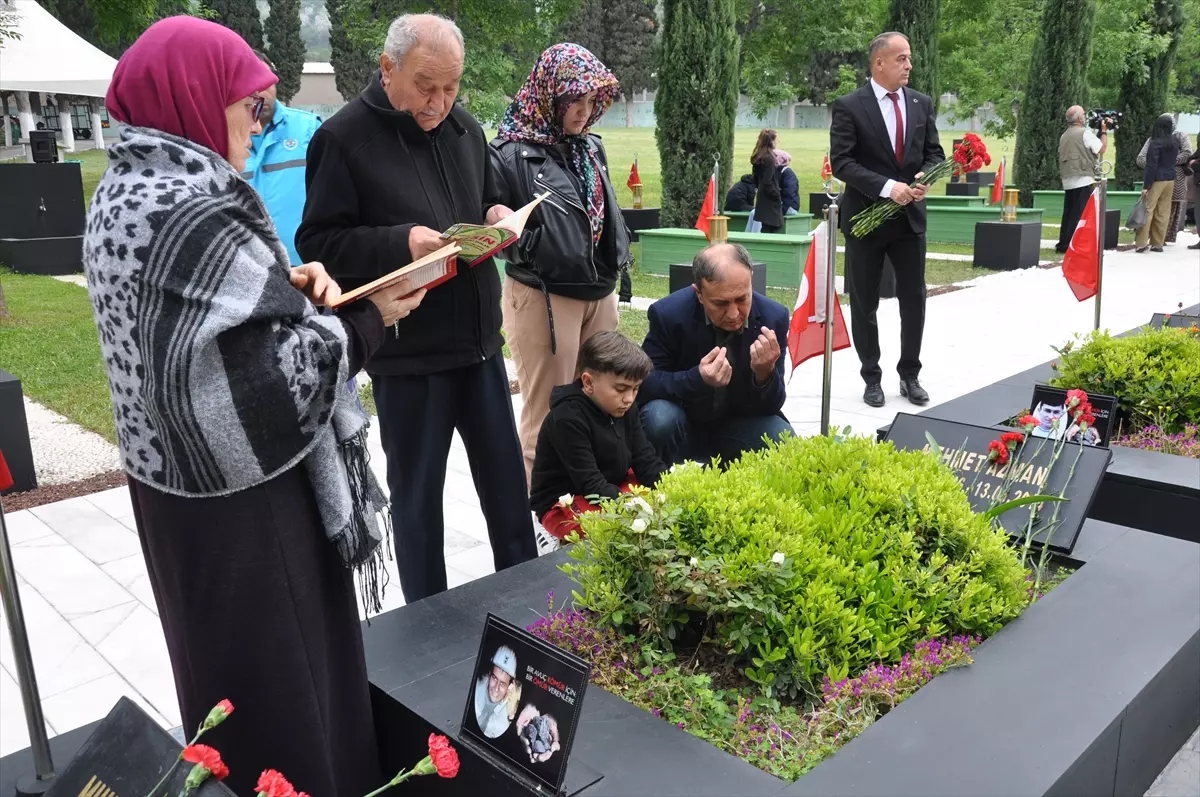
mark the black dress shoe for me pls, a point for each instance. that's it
(1195, 246)
(1156, 249)
(912, 389)
(873, 395)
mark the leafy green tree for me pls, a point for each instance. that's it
(918, 20)
(696, 102)
(621, 33)
(1058, 79)
(285, 47)
(1146, 85)
(240, 16)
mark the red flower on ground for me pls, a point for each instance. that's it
(207, 757)
(998, 452)
(1012, 437)
(273, 784)
(444, 757)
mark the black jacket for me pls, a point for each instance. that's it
(556, 248)
(741, 197)
(864, 158)
(767, 207)
(789, 189)
(372, 175)
(582, 450)
(1160, 161)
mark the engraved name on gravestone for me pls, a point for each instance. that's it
(964, 449)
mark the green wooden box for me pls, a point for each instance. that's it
(957, 225)
(1051, 202)
(792, 225)
(784, 255)
(942, 200)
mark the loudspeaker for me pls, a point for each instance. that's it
(43, 146)
(41, 217)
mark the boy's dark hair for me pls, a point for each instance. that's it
(613, 353)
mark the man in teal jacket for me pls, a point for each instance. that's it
(276, 164)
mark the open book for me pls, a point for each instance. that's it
(433, 269)
(479, 241)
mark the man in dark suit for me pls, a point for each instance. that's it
(881, 139)
(717, 384)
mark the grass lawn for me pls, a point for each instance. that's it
(50, 344)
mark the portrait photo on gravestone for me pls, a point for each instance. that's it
(524, 701)
(1049, 406)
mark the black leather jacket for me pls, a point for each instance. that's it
(556, 253)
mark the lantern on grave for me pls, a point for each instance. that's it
(637, 196)
(1011, 198)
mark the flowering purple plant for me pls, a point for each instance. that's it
(1154, 438)
(888, 684)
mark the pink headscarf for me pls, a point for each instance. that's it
(782, 158)
(180, 75)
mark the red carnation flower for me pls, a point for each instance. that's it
(1027, 421)
(998, 452)
(272, 783)
(207, 758)
(987, 159)
(1076, 397)
(976, 163)
(1012, 437)
(444, 757)
(216, 715)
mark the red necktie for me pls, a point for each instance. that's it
(899, 126)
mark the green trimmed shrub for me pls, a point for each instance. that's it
(1154, 374)
(811, 559)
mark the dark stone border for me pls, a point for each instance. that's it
(1145, 490)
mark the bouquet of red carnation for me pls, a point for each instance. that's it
(970, 155)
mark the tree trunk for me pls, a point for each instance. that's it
(63, 103)
(791, 106)
(629, 109)
(25, 113)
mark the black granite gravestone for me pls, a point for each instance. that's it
(14, 435)
(982, 178)
(1159, 320)
(640, 219)
(964, 447)
(1112, 228)
(42, 217)
(962, 189)
(1006, 245)
(818, 201)
(127, 754)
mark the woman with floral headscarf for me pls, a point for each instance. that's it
(561, 275)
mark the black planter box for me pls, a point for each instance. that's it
(1158, 493)
(1080, 695)
(1112, 228)
(981, 178)
(640, 219)
(818, 201)
(681, 277)
(1006, 245)
(962, 189)
(14, 435)
(42, 218)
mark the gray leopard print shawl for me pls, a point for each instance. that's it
(222, 374)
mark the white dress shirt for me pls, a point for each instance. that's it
(889, 120)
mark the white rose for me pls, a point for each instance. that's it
(778, 558)
(693, 561)
(639, 525)
(660, 498)
(566, 499)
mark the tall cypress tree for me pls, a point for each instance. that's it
(918, 20)
(352, 61)
(240, 16)
(1144, 89)
(286, 46)
(1058, 72)
(621, 33)
(696, 102)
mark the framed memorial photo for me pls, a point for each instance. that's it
(1049, 406)
(524, 701)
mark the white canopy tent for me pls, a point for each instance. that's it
(50, 58)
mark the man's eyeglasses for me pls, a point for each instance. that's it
(256, 108)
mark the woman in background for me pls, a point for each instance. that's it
(560, 277)
(768, 210)
(1179, 192)
(789, 184)
(1158, 183)
(246, 456)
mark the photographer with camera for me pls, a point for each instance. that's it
(1079, 151)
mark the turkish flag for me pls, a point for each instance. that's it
(998, 186)
(709, 208)
(634, 179)
(806, 334)
(1081, 266)
(826, 169)
(6, 479)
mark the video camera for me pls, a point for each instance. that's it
(1099, 115)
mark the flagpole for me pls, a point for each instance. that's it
(830, 298)
(1102, 203)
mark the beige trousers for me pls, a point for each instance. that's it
(527, 332)
(1158, 208)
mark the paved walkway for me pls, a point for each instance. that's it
(92, 620)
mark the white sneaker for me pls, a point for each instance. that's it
(546, 542)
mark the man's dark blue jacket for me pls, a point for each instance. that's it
(680, 336)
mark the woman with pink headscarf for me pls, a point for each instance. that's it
(245, 454)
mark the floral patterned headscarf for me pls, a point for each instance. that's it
(564, 71)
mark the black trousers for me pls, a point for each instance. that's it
(1074, 201)
(417, 419)
(864, 268)
(772, 228)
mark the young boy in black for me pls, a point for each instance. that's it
(592, 443)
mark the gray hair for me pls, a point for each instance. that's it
(407, 29)
(1075, 115)
(881, 41)
(704, 264)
